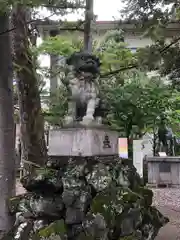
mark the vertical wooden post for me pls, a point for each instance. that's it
(53, 66)
(89, 16)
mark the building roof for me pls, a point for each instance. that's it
(173, 28)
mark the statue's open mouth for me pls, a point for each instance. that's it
(84, 62)
(89, 67)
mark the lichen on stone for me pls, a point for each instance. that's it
(44, 180)
(99, 177)
(57, 228)
(85, 200)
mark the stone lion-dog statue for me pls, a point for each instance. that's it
(84, 103)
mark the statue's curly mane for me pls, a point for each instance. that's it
(84, 62)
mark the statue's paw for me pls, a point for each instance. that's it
(99, 120)
(87, 120)
(68, 120)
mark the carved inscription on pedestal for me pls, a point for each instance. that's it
(106, 142)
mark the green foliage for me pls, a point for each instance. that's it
(135, 105)
(154, 17)
(113, 52)
(57, 105)
(160, 57)
(150, 11)
(148, 61)
(63, 46)
(55, 228)
(57, 6)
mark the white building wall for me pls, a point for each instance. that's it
(137, 41)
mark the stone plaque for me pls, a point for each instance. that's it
(82, 142)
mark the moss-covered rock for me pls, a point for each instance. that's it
(85, 200)
(99, 177)
(57, 228)
(13, 203)
(20, 231)
(33, 205)
(94, 227)
(114, 202)
(147, 194)
(43, 180)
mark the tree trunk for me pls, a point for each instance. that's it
(34, 151)
(7, 151)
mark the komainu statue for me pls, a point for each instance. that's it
(166, 138)
(84, 104)
(166, 141)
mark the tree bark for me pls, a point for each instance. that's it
(34, 151)
(7, 151)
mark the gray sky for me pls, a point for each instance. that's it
(107, 9)
(104, 9)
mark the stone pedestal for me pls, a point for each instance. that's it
(83, 141)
